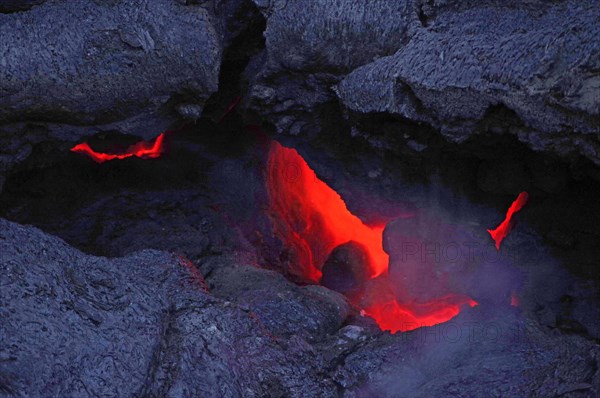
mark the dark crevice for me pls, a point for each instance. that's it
(11, 6)
(247, 44)
(6, 384)
(422, 13)
(164, 363)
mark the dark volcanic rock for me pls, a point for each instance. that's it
(454, 65)
(310, 45)
(107, 63)
(177, 221)
(189, 201)
(71, 70)
(347, 270)
(474, 355)
(285, 309)
(539, 62)
(141, 325)
(7, 6)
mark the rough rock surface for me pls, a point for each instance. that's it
(145, 325)
(309, 311)
(310, 45)
(541, 63)
(105, 62)
(141, 325)
(449, 64)
(7, 6)
(70, 71)
(475, 355)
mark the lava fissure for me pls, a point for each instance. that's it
(313, 217)
(142, 149)
(504, 228)
(313, 220)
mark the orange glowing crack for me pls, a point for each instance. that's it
(503, 229)
(142, 149)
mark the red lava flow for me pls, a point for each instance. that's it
(142, 149)
(503, 229)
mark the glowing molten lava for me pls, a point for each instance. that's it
(393, 316)
(312, 219)
(142, 149)
(503, 229)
